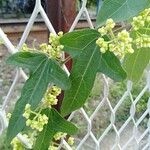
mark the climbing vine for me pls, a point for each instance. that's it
(118, 53)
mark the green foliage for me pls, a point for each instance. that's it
(111, 68)
(82, 78)
(75, 42)
(136, 63)
(45, 71)
(85, 48)
(78, 41)
(86, 64)
(120, 10)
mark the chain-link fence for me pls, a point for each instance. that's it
(100, 121)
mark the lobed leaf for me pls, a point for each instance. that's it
(87, 62)
(120, 10)
(46, 71)
(82, 78)
(76, 41)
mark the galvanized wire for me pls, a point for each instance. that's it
(105, 100)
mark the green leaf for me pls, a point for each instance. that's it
(47, 71)
(120, 10)
(135, 63)
(111, 66)
(55, 124)
(35, 60)
(87, 62)
(76, 41)
(26, 60)
(82, 78)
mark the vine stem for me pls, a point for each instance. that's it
(66, 60)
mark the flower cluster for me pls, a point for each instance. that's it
(141, 20)
(143, 41)
(70, 141)
(38, 121)
(122, 45)
(59, 135)
(50, 97)
(138, 23)
(54, 48)
(141, 23)
(102, 44)
(9, 116)
(119, 44)
(16, 144)
(110, 24)
(25, 48)
(53, 148)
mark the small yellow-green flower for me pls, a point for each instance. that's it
(55, 90)
(25, 48)
(70, 141)
(110, 24)
(27, 111)
(102, 44)
(140, 21)
(119, 44)
(16, 143)
(53, 148)
(59, 135)
(124, 37)
(50, 97)
(102, 31)
(53, 48)
(143, 41)
(37, 122)
(9, 115)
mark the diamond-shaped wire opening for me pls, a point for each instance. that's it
(82, 123)
(141, 105)
(126, 133)
(101, 120)
(89, 144)
(143, 131)
(108, 140)
(123, 112)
